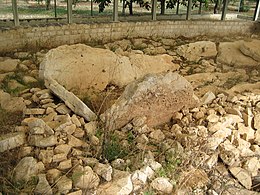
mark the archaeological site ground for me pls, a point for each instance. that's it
(123, 104)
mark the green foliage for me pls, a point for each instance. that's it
(6, 88)
(150, 192)
(161, 172)
(18, 76)
(113, 148)
(130, 137)
(99, 133)
(170, 4)
(8, 187)
(102, 4)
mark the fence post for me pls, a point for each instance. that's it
(257, 10)
(188, 14)
(154, 5)
(69, 11)
(115, 11)
(224, 9)
(15, 13)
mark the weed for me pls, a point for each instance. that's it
(5, 84)
(130, 137)
(99, 133)
(113, 148)
(150, 192)
(161, 172)
(18, 187)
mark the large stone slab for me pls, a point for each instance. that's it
(196, 51)
(155, 96)
(80, 67)
(72, 101)
(230, 54)
(251, 49)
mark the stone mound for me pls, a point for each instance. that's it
(196, 51)
(156, 97)
(230, 53)
(81, 67)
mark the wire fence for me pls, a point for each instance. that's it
(41, 12)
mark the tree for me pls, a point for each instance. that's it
(102, 4)
(217, 6)
(141, 3)
(170, 4)
(162, 6)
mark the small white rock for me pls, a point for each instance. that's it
(104, 170)
(162, 185)
(242, 176)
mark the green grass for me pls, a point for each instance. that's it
(40, 10)
(113, 148)
(150, 192)
(9, 187)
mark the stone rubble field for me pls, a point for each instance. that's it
(182, 118)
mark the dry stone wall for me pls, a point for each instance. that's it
(31, 38)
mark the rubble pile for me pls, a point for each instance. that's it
(211, 147)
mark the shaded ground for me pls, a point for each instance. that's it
(82, 13)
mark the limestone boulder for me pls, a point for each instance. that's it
(43, 187)
(196, 51)
(251, 49)
(155, 96)
(85, 178)
(11, 140)
(25, 169)
(242, 176)
(41, 141)
(230, 54)
(139, 179)
(229, 153)
(11, 104)
(83, 67)
(104, 170)
(64, 185)
(121, 185)
(162, 185)
(239, 191)
(8, 65)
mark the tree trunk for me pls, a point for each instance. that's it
(55, 8)
(177, 8)
(48, 2)
(123, 9)
(241, 7)
(216, 6)
(91, 7)
(200, 7)
(162, 7)
(131, 7)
